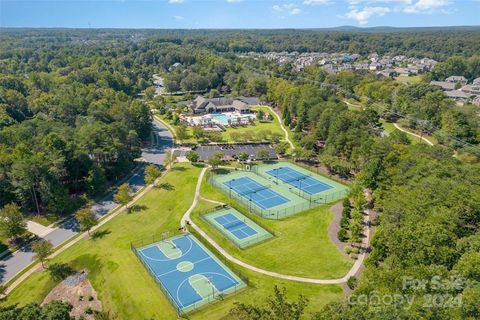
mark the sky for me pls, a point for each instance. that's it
(214, 14)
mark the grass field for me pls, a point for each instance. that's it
(302, 237)
(409, 79)
(125, 287)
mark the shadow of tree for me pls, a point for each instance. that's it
(167, 186)
(100, 234)
(138, 207)
(60, 271)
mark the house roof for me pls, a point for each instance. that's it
(457, 94)
(456, 78)
(444, 84)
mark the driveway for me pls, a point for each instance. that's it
(12, 264)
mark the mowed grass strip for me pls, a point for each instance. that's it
(126, 288)
(301, 246)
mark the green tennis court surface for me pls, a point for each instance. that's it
(239, 229)
(278, 190)
(306, 184)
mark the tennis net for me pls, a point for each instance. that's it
(250, 191)
(296, 178)
(233, 224)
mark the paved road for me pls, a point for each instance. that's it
(156, 153)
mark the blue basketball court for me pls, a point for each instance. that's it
(301, 181)
(188, 273)
(262, 196)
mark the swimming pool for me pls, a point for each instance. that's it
(227, 119)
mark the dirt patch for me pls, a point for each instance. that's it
(78, 291)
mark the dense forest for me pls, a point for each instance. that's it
(71, 123)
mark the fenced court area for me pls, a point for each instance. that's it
(240, 230)
(267, 201)
(266, 188)
(187, 272)
(261, 195)
(306, 184)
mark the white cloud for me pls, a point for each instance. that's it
(178, 18)
(315, 2)
(175, 1)
(362, 16)
(291, 8)
(425, 6)
(234, 1)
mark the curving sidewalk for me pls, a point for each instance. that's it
(413, 134)
(281, 126)
(186, 217)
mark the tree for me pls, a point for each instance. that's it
(277, 307)
(149, 93)
(215, 160)
(152, 172)
(243, 156)
(87, 219)
(123, 195)
(192, 156)
(182, 132)
(260, 115)
(42, 249)
(263, 154)
(12, 223)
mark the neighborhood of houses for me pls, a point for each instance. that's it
(458, 89)
(337, 62)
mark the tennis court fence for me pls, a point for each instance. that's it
(134, 245)
(275, 214)
(314, 198)
(244, 243)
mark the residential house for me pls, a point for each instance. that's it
(458, 96)
(456, 79)
(444, 85)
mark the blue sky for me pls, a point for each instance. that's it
(237, 13)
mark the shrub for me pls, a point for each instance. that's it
(344, 223)
(352, 282)
(342, 235)
(88, 310)
(348, 250)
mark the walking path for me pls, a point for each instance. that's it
(186, 217)
(413, 134)
(15, 263)
(281, 126)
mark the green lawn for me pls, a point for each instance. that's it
(127, 289)
(301, 246)
(409, 79)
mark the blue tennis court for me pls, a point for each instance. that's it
(262, 196)
(299, 180)
(235, 226)
(189, 274)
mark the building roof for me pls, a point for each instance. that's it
(444, 84)
(457, 94)
(456, 79)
